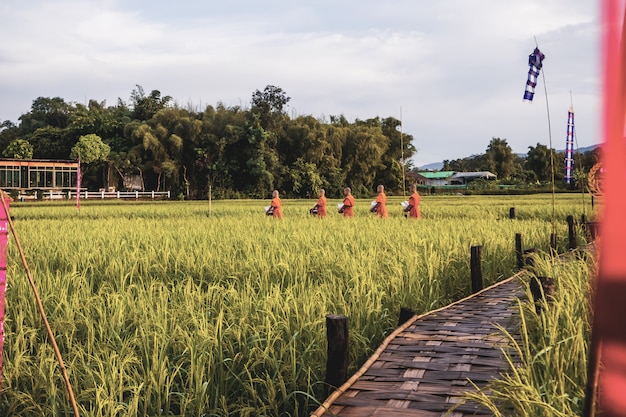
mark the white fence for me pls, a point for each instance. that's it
(87, 195)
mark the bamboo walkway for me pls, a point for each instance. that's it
(427, 364)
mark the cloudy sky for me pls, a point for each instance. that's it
(453, 71)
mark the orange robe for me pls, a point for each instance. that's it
(348, 205)
(414, 202)
(278, 208)
(382, 207)
(321, 206)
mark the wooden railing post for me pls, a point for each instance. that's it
(553, 242)
(571, 234)
(512, 213)
(475, 268)
(519, 250)
(592, 230)
(541, 287)
(529, 260)
(405, 314)
(337, 360)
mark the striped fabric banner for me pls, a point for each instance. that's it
(535, 62)
(4, 239)
(569, 147)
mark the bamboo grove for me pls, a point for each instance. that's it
(238, 151)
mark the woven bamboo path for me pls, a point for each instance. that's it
(427, 364)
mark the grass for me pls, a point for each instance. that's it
(549, 360)
(161, 309)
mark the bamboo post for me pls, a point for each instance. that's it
(553, 242)
(541, 287)
(405, 314)
(209, 199)
(518, 251)
(337, 359)
(592, 230)
(529, 260)
(476, 271)
(512, 213)
(571, 235)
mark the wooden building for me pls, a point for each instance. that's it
(38, 174)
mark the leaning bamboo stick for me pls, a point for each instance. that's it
(57, 353)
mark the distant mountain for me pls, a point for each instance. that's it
(581, 150)
(437, 166)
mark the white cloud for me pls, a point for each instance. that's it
(456, 68)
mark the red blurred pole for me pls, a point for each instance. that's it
(4, 239)
(607, 357)
(42, 313)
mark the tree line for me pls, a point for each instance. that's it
(236, 151)
(534, 168)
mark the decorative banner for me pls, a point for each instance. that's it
(569, 147)
(4, 239)
(535, 62)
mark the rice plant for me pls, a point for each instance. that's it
(549, 360)
(163, 309)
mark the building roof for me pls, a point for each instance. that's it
(436, 175)
(479, 174)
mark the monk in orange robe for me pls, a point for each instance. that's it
(381, 203)
(276, 206)
(319, 208)
(348, 203)
(414, 201)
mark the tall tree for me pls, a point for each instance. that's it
(8, 133)
(19, 149)
(272, 100)
(91, 151)
(144, 107)
(538, 161)
(50, 142)
(362, 155)
(500, 158)
(262, 159)
(45, 111)
(106, 122)
(399, 152)
(219, 155)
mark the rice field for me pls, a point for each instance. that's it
(162, 309)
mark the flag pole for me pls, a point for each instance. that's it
(580, 163)
(545, 89)
(42, 312)
(402, 150)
